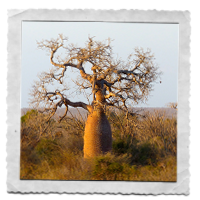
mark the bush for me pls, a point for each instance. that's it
(121, 146)
(28, 115)
(146, 154)
(160, 130)
(139, 153)
(50, 151)
(110, 167)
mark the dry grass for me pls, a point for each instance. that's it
(144, 149)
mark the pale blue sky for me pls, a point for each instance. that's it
(162, 39)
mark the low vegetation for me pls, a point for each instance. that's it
(143, 149)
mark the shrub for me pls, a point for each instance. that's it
(160, 130)
(110, 167)
(121, 146)
(146, 154)
(28, 115)
(50, 151)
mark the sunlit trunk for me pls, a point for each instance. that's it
(98, 136)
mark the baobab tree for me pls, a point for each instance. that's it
(112, 82)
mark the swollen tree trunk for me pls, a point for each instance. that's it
(98, 136)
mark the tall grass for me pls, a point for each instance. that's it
(144, 149)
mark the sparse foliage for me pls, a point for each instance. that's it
(173, 105)
(113, 82)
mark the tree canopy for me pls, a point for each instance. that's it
(111, 81)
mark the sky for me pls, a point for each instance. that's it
(162, 39)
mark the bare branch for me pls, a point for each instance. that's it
(173, 105)
(113, 82)
(61, 118)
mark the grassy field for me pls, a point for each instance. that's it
(144, 149)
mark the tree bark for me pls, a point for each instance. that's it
(98, 136)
